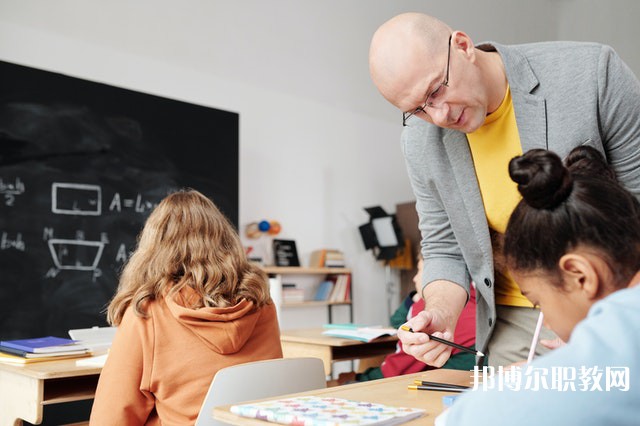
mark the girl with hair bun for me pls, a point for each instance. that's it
(188, 304)
(573, 246)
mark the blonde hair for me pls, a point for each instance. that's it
(187, 241)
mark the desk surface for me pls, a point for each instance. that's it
(311, 342)
(391, 391)
(70, 367)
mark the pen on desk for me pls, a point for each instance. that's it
(443, 385)
(446, 342)
(435, 388)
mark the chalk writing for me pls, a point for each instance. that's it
(76, 199)
(77, 255)
(15, 243)
(10, 190)
(137, 204)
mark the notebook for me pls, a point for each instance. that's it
(98, 339)
(326, 411)
(363, 334)
(49, 344)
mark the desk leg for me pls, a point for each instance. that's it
(296, 349)
(20, 399)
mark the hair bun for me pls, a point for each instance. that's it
(542, 179)
(586, 160)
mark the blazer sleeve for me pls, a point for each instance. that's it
(619, 110)
(123, 395)
(440, 247)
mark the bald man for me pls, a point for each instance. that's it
(466, 111)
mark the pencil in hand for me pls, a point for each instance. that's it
(446, 342)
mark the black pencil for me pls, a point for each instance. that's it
(435, 388)
(446, 342)
(438, 384)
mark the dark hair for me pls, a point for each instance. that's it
(567, 206)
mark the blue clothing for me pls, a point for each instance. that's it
(608, 337)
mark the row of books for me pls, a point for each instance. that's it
(292, 294)
(326, 258)
(336, 289)
(48, 348)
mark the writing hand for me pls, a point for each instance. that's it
(418, 344)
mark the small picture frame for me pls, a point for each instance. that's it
(285, 253)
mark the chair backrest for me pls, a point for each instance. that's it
(260, 379)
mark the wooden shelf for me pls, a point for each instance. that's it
(62, 390)
(284, 270)
(279, 272)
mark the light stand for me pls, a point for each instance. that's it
(383, 235)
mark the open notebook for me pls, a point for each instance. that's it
(97, 339)
(326, 411)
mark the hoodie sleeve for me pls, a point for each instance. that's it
(123, 396)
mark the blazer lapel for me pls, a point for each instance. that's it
(459, 155)
(530, 109)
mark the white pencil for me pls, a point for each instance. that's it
(536, 335)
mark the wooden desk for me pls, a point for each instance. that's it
(311, 342)
(26, 389)
(391, 391)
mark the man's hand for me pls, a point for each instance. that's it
(444, 301)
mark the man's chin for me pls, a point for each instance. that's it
(469, 123)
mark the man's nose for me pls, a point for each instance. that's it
(440, 116)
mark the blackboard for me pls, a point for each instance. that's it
(81, 166)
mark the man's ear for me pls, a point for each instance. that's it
(462, 42)
(579, 273)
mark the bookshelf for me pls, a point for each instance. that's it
(278, 276)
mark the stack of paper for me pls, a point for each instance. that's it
(41, 349)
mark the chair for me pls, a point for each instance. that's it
(260, 379)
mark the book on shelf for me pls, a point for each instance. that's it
(323, 291)
(329, 258)
(363, 334)
(341, 289)
(39, 345)
(292, 295)
(322, 411)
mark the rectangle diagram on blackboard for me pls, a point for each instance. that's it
(77, 255)
(76, 199)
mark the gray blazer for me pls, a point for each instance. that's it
(564, 94)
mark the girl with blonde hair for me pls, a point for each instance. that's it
(188, 304)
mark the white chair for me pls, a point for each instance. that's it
(260, 379)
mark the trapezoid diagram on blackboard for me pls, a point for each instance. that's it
(81, 166)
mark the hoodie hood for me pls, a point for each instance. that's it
(223, 330)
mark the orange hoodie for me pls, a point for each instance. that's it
(159, 368)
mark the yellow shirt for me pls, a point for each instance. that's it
(492, 146)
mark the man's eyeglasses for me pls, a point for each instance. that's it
(432, 99)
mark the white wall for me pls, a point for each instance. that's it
(317, 142)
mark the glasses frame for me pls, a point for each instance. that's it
(427, 102)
